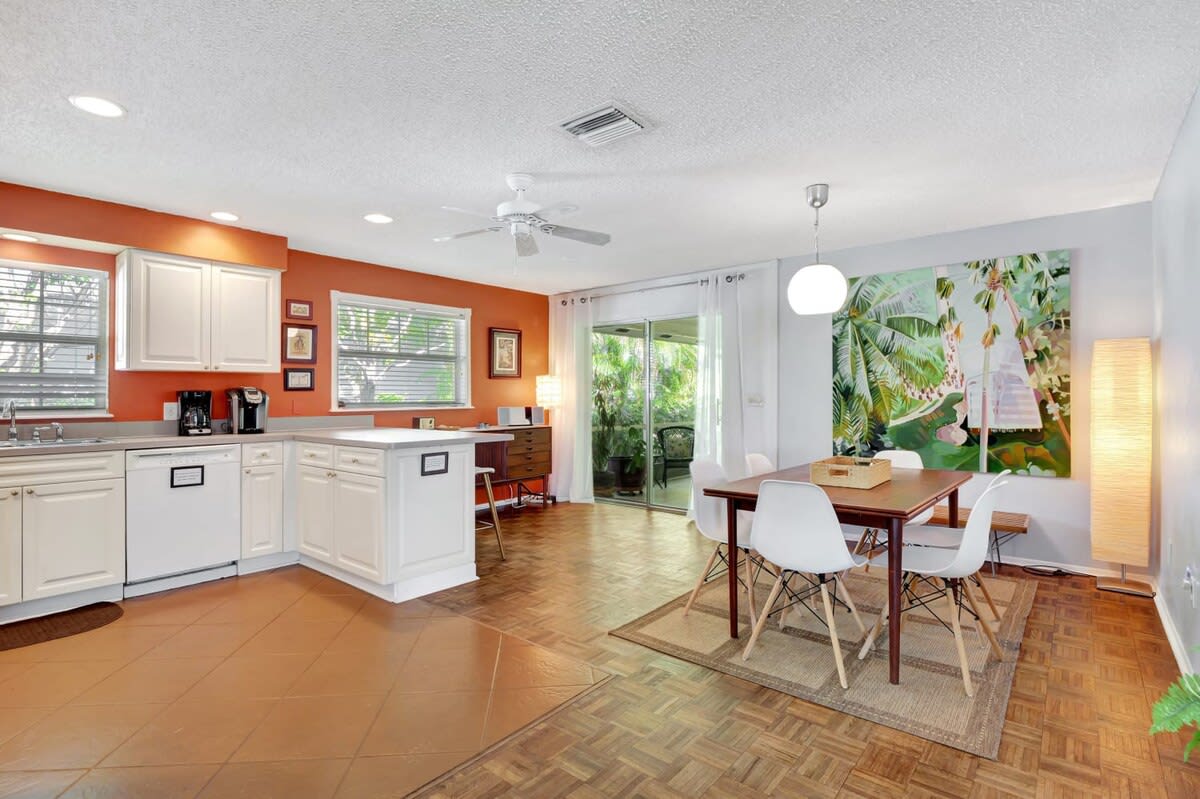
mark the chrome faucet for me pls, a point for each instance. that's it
(55, 426)
(10, 408)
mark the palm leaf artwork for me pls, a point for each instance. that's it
(1179, 707)
(967, 364)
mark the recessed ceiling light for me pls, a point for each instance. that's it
(378, 219)
(18, 237)
(96, 105)
(224, 216)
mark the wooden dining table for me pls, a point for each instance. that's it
(887, 506)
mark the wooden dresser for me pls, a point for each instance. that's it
(524, 459)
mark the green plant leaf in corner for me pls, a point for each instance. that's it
(1179, 707)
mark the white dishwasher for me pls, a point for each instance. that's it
(182, 513)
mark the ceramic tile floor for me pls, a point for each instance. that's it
(284, 684)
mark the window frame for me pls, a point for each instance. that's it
(338, 298)
(103, 340)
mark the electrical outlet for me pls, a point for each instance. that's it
(170, 411)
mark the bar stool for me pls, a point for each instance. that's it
(494, 524)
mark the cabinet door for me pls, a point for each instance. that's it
(358, 515)
(245, 319)
(73, 537)
(314, 512)
(262, 510)
(10, 545)
(168, 314)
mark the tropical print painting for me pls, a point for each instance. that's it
(968, 364)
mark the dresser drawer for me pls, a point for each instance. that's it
(520, 472)
(314, 454)
(540, 460)
(522, 448)
(536, 435)
(268, 453)
(358, 459)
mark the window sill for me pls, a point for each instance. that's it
(402, 408)
(29, 414)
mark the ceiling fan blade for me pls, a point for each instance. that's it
(468, 233)
(526, 245)
(577, 234)
(466, 211)
(557, 209)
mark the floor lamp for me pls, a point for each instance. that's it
(1122, 452)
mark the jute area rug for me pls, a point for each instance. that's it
(60, 625)
(798, 660)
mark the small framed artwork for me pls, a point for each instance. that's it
(434, 463)
(300, 343)
(298, 379)
(504, 354)
(299, 309)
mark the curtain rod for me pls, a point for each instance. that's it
(694, 282)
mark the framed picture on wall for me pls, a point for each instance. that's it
(504, 352)
(299, 309)
(299, 379)
(300, 343)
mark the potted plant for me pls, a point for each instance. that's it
(628, 463)
(1179, 707)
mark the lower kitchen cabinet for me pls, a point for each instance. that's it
(341, 520)
(314, 512)
(10, 545)
(262, 510)
(73, 536)
(358, 524)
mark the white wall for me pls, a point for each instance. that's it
(1177, 328)
(1111, 297)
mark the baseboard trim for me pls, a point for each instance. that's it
(44, 606)
(1173, 637)
(402, 590)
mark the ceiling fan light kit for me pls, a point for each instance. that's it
(522, 217)
(818, 288)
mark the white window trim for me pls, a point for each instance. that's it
(105, 308)
(336, 297)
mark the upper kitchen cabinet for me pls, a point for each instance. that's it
(180, 314)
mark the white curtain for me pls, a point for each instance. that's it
(571, 361)
(736, 409)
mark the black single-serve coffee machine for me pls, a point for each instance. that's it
(247, 410)
(195, 413)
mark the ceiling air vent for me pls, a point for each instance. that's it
(602, 126)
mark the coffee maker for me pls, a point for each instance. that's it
(247, 410)
(195, 413)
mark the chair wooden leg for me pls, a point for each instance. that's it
(873, 635)
(866, 543)
(762, 619)
(487, 484)
(833, 636)
(987, 628)
(700, 583)
(958, 639)
(987, 596)
(750, 587)
(862, 630)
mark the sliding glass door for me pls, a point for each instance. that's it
(643, 410)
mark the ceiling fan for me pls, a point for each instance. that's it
(521, 217)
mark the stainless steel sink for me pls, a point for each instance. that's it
(66, 442)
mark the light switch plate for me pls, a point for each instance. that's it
(170, 411)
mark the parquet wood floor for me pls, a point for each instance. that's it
(1090, 666)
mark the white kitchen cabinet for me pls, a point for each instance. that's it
(358, 524)
(245, 319)
(10, 545)
(73, 537)
(314, 512)
(183, 314)
(262, 510)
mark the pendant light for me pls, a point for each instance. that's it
(818, 288)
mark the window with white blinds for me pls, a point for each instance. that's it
(53, 337)
(393, 354)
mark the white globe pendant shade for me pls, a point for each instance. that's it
(817, 289)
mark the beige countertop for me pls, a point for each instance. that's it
(372, 437)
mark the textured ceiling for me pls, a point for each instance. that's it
(302, 116)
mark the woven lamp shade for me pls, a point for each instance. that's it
(1122, 417)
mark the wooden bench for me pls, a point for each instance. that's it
(1004, 526)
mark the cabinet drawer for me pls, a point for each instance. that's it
(521, 448)
(268, 453)
(517, 472)
(539, 459)
(538, 435)
(359, 459)
(314, 454)
(35, 469)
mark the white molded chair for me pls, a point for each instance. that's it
(758, 463)
(710, 521)
(796, 529)
(953, 568)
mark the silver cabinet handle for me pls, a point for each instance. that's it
(354, 460)
(29, 491)
(16, 492)
(247, 471)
